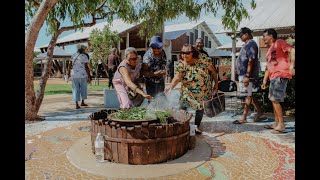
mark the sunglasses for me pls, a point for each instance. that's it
(186, 53)
(155, 48)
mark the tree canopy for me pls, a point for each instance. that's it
(151, 13)
(101, 42)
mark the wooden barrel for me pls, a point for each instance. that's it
(145, 142)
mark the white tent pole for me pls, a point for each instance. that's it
(233, 57)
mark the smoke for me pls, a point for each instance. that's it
(164, 101)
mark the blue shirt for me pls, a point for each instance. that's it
(248, 51)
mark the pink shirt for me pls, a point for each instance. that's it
(278, 62)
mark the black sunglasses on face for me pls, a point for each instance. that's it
(186, 53)
(155, 48)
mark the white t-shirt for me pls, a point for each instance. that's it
(78, 65)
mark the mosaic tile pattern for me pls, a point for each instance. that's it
(234, 156)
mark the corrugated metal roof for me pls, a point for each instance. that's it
(117, 25)
(171, 31)
(175, 30)
(174, 34)
(57, 53)
(239, 45)
(277, 14)
(219, 53)
(36, 49)
(183, 26)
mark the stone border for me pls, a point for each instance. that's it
(81, 156)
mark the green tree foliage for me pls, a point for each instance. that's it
(80, 12)
(101, 42)
(153, 13)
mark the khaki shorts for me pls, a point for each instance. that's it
(243, 90)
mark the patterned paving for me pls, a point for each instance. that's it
(236, 155)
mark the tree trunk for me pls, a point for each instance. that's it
(30, 41)
(46, 71)
(96, 76)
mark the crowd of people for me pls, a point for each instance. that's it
(196, 72)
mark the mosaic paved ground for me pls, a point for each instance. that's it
(236, 155)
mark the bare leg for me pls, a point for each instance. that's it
(258, 108)
(77, 105)
(279, 123)
(246, 109)
(83, 104)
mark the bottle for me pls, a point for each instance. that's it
(99, 148)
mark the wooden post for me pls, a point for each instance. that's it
(233, 57)
(127, 40)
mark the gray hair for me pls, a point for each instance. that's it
(130, 50)
(113, 50)
(81, 46)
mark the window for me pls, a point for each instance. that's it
(202, 34)
(191, 38)
(206, 41)
(209, 44)
(195, 34)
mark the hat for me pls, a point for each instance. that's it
(129, 50)
(81, 46)
(245, 30)
(156, 42)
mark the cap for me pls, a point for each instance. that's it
(156, 42)
(245, 30)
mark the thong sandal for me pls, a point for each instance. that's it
(258, 119)
(275, 131)
(268, 127)
(239, 122)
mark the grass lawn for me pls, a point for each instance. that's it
(67, 88)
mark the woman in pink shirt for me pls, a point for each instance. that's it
(125, 77)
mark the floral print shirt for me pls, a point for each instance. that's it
(155, 64)
(196, 85)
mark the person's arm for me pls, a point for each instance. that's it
(248, 73)
(214, 75)
(125, 75)
(88, 69)
(265, 79)
(146, 73)
(69, 68)
(292, 53)
(251, 54)
(176, 79)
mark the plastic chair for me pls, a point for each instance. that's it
(230, 87)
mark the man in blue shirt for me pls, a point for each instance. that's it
(248, 70)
